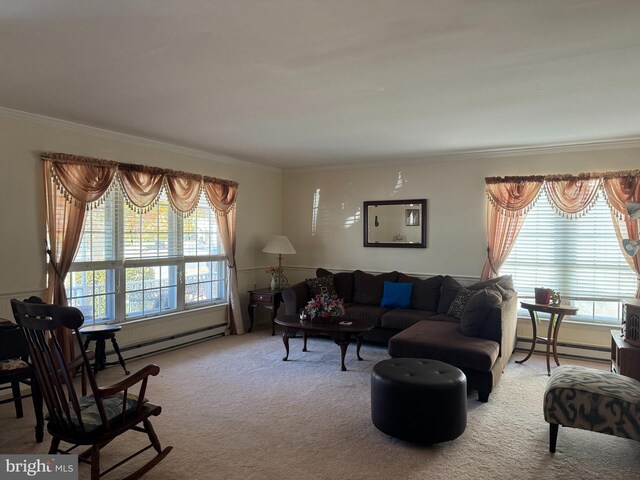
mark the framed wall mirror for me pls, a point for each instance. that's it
(395, 223)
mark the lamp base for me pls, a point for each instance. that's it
(280, 279)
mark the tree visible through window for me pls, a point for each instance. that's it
(131, 265)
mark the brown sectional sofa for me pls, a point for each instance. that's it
(480, 342)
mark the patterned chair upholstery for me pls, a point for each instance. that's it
(590, 399)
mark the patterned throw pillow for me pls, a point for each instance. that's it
(461, 300)
(321, 285)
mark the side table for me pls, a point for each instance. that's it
(99, 334)
(267, 298)
(556, 314)
(625, 358)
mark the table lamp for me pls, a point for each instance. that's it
(281, 245)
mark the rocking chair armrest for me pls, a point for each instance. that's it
(137, 377)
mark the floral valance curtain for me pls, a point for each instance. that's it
(510, 199)
(74, 184)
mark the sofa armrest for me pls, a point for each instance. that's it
(295, 297)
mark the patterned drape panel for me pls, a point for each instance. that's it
(74, 184)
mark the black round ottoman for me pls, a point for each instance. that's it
(419, 400)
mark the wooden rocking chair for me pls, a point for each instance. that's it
(78, 419)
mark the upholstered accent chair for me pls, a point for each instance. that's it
(580, 397)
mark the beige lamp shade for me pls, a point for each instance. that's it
(279, 244)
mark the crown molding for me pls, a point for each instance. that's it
(610, 144)
(133, 139)
(606, 144)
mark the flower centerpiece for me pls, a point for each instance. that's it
(325, 308)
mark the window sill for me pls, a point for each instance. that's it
(567, 320)
(189, 310)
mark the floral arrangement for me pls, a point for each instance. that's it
(271, 270)
(324, 307)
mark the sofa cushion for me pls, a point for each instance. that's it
(426, 293)
(396, 295)
(321, 285)
(450, 287)
(448, 292)
(342, 281)
(443, 317)
(367, 288)
(371, 313)
(445, 342)
(505, 281)
(400, 318)
(460, 302)
(477, 310)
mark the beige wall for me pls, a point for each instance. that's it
(22, 245)
(454, 191)
(270, 202)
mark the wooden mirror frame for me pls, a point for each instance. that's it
(420, 203)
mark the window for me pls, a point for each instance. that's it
(580, 258)
(133, 265)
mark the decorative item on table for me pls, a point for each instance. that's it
(325, 308)
(281, 245)
(543, 295)
(273, 272)
(555, 298)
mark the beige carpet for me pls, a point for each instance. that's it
(234, 410)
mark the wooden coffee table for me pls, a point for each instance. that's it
(341, 334)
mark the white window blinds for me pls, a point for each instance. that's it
(580, 258)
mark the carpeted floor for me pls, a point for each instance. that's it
(234, 410)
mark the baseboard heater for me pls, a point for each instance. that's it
(570, 350)
(171, 342)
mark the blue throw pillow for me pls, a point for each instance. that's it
(396, 295)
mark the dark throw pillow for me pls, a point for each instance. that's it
(448, 292)
(477, 309)
(367, 288)
(321, 285)
(343, 282)
(426, 293)
(505, 281)
(460, 302)
(396, 295)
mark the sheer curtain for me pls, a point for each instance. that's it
(508, 201)
(622, 188)
(74, 184)
(223, 199)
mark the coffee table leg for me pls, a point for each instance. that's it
(344, 343)
(304, 337)
(285, 340)
(358, 345)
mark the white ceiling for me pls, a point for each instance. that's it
(294, 83)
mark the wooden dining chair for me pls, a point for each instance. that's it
(15, 369)
(92, 420)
